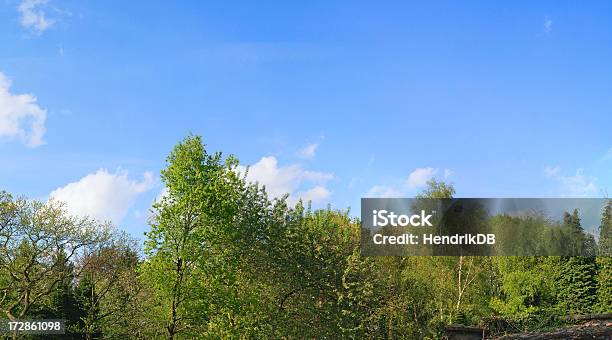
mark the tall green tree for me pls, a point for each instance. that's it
(189, 247)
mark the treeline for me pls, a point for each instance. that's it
(535, 234)
(223, 260)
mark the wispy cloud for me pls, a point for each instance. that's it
(608, 155)
(32, 15)
(577, 185)
(383, 191)
(548, 24)
(20, 116)
(309, 151)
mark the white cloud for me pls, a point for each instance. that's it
(416, 180)
(578, 185)
(547, 24)
(103, 195)
(33, 16)
(420, 176)
(280, 180)
(308, 151)
(315, 194)
(20, 115)
(383, 191)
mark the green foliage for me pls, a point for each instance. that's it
(604, 285)
(536, 286)
(204, 243)
(527, 285)
(577, 285)
(605, 231)
(437, 189)
(107, 287)
(223, 260)
(63, 303)
(38, 242)
(604, 261)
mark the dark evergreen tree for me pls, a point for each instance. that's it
(574, 232)
(85, 294)
(604, 261)
(605, 231)
(63, 304)
(577, 282)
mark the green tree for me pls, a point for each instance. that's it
(577, 284)
(437, 190)
(604, 261)
(576, 280)
(528, 285)
(577, 240)
(62, 303)
(605, 231)
(107, 287)
(38, 242)
(190, 263)
(327, 288)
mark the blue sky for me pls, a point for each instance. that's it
(330, 101)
